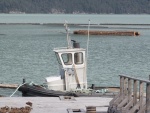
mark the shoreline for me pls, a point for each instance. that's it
(78, 24)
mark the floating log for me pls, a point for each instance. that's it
(116, 33)
(11, 86)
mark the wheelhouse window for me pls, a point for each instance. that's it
(67, 58)
(58, 58)
(78, 58)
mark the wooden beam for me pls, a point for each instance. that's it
(141, 94)
(129, 89)
(148, 98)
(135, 92)
(11, 86)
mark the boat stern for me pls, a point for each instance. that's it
(55, 83)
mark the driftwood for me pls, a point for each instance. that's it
(115, 33)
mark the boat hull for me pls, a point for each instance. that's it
(33, 90)
(38, 91)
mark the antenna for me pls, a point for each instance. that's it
(88, 39)
(87, 51)
(67, 30)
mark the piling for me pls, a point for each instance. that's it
(113, 33)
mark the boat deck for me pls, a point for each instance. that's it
(57, 104)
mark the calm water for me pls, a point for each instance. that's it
(26, 51)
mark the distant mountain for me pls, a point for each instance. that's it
(76, 6)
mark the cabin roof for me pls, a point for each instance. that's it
(64, 50)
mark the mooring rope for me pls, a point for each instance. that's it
(16, 89)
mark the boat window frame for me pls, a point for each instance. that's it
(58, 58)
(67, 62)
(75, 60)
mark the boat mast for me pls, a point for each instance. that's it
(88, 42)
(85, 75)
(67, 31)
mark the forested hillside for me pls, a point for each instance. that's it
(76, 6)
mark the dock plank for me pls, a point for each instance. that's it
(54, 104)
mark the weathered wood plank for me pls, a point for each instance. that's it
(12, 86)
(135, 92)
(129, 90)
(148, 98)
(141, 94)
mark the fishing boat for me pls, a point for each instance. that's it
(72, 79)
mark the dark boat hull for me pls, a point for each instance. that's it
(33, 90)
(38, 91)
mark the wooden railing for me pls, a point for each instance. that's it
(134, 96)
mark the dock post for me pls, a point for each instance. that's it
(148, 98)
(93, 86)
(129, 90)
(141, 94)
(135, 92)
(121, 86)
(124, 98)
(114, 102)
(129, 102)
(24, 80)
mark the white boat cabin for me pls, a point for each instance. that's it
(72, 66)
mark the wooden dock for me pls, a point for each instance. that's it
(113, 33)
(56, 105)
